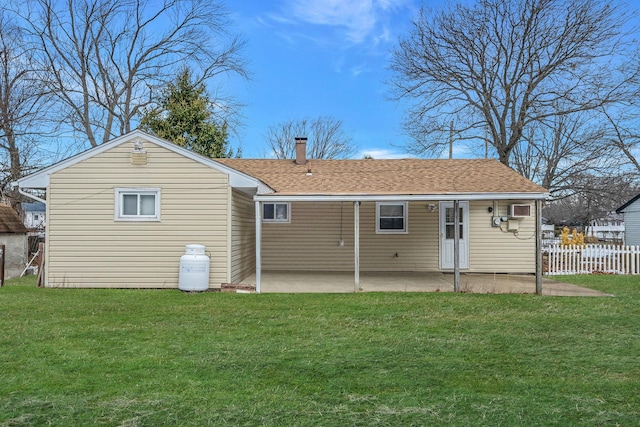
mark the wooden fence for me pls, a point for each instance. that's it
(589, 259)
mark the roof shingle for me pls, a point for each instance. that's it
(385, 177)
(10, 221)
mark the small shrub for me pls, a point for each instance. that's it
(574, 238)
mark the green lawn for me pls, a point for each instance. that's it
(150, 358)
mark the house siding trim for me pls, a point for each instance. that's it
(399, 197)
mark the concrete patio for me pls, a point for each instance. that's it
(343, 282)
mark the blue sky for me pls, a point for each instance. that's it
(311, 58)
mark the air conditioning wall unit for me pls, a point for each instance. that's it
(519, 211)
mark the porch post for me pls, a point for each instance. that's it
(356, 244)
(539, 247)
(258, 216)
(456, 245)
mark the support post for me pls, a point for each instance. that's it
(356, 245)
(451, 140)
(258, 216)
(3, 250)
(40, 262)
(456, 246)
(539, 247)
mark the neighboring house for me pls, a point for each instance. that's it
(13, 235)
(34, 215)
(120, 215)
(631, 212)
(609, 228)
(548, 233)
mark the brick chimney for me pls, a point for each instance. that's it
(301, 150)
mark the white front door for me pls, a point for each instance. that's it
(447, 231)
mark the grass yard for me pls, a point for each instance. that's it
(151, 358)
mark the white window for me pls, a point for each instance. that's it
(275, 212)
(391, 217)
(137, 204)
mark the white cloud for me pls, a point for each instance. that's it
(358, 69)
(460, 151)
(383, 37)
(280, 19)
(381, 153)
(359, 20)
(357, 17)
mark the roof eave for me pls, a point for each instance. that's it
(41, 179)
(34, 181)
(275, 197)
(622, 208)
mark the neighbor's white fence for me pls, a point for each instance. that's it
(574, 259)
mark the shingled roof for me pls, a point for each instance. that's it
(385, 177)
(10, 221)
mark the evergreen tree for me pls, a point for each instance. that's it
(183, 116)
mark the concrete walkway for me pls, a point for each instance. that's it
(343, 282)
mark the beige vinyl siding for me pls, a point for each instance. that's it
(494, 251)
(311, 240)
(88, 248)
(243, 237)
(416, 251)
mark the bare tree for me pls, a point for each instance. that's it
(108, 57)
(624, 133)
(23, 104)
(326, 138)
(556, 151)
(593, 197)
(503, 65)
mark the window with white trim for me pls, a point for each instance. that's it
(137, 204)
(276, 212)
(391, 217)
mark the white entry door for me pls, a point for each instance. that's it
(447, 231)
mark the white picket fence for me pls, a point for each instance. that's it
(574, 259)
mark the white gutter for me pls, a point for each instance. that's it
(399, 197)
(31, 196)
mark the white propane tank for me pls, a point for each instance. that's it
(194, 269)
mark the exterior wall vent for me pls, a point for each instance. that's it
(139, 154)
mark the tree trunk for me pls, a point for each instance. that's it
(15, 172)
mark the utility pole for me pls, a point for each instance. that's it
(486, 143)
(451, 140)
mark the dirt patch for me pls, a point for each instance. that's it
(238, 288)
